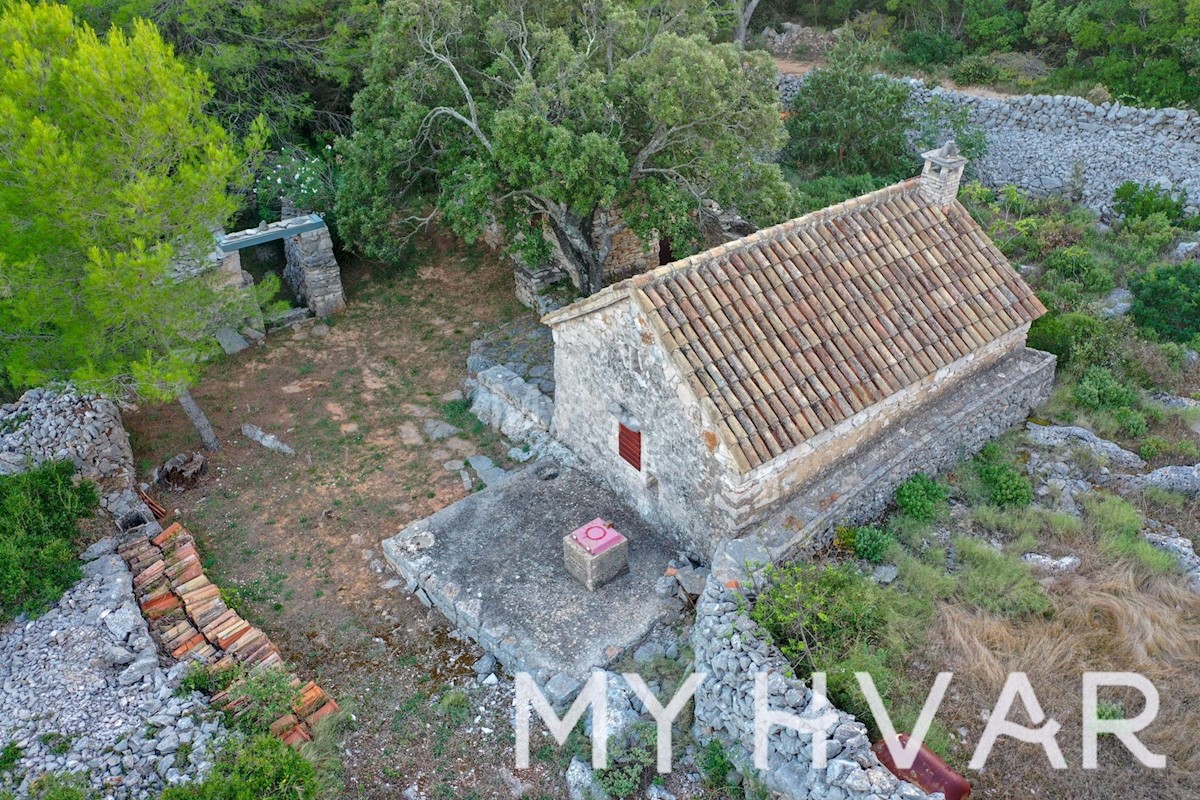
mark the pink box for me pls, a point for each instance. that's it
(597, 536)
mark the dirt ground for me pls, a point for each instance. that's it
(790, 66)
(296, 539)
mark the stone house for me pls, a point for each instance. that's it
(710, 392)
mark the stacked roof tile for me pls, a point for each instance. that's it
(190, 620)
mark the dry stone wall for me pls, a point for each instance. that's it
(1048, 144)
(732, 650)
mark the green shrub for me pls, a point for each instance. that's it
(828, 190)
(630, 762)
(1006, 486)
(1062, 334)
(61, 786)
(263, 768)
(715, 765)
(930, 48)
(9, 756)
(455, 705)
(846, 121)
(1167, 300)
(262, 698)
(1153, 233)
(1153, 447)
(940, 119)
(996, 581)
(921, 497)
(1131, 421)
(201, 678)
(39, 540)
(815, 614)
(1136, 200)
(973, 70)
(1098, 390)
(872, 544)
(1077, 264)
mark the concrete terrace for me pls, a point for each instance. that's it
(493, 564)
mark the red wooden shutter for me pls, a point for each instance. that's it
(629, 444)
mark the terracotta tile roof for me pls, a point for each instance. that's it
(795, 328)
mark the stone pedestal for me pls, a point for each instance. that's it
(595, 554)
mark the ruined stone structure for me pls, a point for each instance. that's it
(1052, 144)
(628, 256)
(713, 392)
(312, 270)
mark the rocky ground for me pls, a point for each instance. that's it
(82, 690)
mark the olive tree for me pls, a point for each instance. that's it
(577, 119)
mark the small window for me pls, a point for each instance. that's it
(629, 445)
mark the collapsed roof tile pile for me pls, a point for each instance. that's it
(190, 620)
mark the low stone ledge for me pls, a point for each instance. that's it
(931, 439)
(505, 401)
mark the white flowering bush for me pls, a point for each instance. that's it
(305, 178)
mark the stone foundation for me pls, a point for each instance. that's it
(509, 404)
(953, 427)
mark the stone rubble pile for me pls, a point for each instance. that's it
(48, 424)
(82, 690)
(798, 41)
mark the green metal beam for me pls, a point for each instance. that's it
(227, 243)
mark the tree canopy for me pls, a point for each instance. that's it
(297, 63)
(578, 117)
(111, 174)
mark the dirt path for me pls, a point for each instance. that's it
(789, 66)
(295, 540)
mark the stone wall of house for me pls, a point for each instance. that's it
(1053, 143)
(629, 256)
(732, 650)
(609, 369)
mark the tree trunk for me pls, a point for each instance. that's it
(196, 414)
(574, 241)
(743, 26)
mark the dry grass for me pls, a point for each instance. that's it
(1111, 616)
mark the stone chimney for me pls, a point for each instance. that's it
(942, 173)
